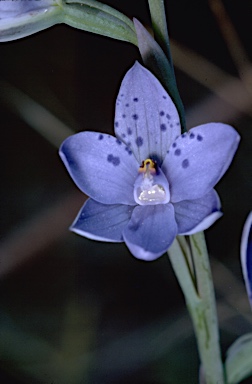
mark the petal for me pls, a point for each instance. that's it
(22, 18)
(151, 231)
(102, 222)
(11, 9)
(146, 118)
(197, 160)
(197, 215)
(101, 166)
(246, 255)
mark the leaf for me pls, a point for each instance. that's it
(93, 16)
(239, 359)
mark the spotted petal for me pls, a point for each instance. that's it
(146, 118)
(102, 222)
(197, 215)
(101, 166)
(246, 255)
(198, 159)
(151, 231)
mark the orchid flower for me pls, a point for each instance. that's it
(20, 18)
(149, 183)
(246, 255)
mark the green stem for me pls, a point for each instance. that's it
(209, 342)
(178, 260)
(200, 303)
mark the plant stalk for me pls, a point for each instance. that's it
(200, 301)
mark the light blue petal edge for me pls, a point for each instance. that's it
(243, 250)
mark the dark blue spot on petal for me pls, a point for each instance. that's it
(124, 116)
(135, 99)
(161, 113)
(163, 127)
(127, 105)
(129, 131)
(174, 145)
(139, 141)
(123, 135)
(177, 152)
(135, 116)
(192, 135)
(115, 160)
(127, 149)
(116, 124)
(185, 163)
(110, 158)
(178, 123)
(122, 95)
(164, 97)
(100, 137)
(199, 138)
(118, 142)
(168, 116)
(184, 135)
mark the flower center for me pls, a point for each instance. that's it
(151, 186)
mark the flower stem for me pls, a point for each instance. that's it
(200, 302)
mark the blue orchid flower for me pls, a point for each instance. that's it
(20, 18)
(246, 255)
(149, 183)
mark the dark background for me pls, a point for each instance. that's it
(73, 310)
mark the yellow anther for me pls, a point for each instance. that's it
(148, 166)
